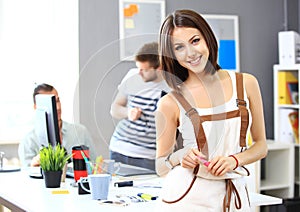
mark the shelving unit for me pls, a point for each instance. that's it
(282, 128)
(297, 172)
(277, 170)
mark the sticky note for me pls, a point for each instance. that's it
(129, 23)
(62, 191)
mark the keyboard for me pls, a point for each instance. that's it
(129, 170)
(125, 171)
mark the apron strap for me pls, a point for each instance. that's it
(231, 189)
(241, 103)
(196, 121)
(187, 191)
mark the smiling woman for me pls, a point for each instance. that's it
(215, 110)
(39, 43)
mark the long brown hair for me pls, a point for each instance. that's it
(174, 73)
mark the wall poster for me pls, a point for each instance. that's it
(140, 21)
(226, 31)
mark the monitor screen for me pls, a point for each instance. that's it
(46, 121)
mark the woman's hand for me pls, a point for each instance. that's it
(192, 158)
(218, 166)
(221, 165)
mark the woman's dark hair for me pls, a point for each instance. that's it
(41, 87)
(174, 73)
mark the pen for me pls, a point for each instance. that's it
(147, 186)
(147, 196)
(99, 160)
(86, 160)
(203, 161)
(84, 157)
(119, 203)
(134, 199)
(123, 184)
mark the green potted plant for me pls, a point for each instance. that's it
(52, 162)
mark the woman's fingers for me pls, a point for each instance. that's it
(190, 160)
(219, 166)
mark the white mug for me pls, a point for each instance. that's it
(99, 185)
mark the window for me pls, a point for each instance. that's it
(39, 43)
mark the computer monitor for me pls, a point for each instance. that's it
(46, 121)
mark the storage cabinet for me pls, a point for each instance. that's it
(286, 126)
(277, 170)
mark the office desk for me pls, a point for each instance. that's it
(19, 192)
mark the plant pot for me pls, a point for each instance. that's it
(52, 178)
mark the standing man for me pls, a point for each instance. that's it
(134, 139)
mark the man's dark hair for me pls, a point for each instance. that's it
(149, 53)
(42, 87)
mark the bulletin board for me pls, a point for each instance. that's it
(140, 21)
(226, 30)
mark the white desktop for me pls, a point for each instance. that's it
(19, 192)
